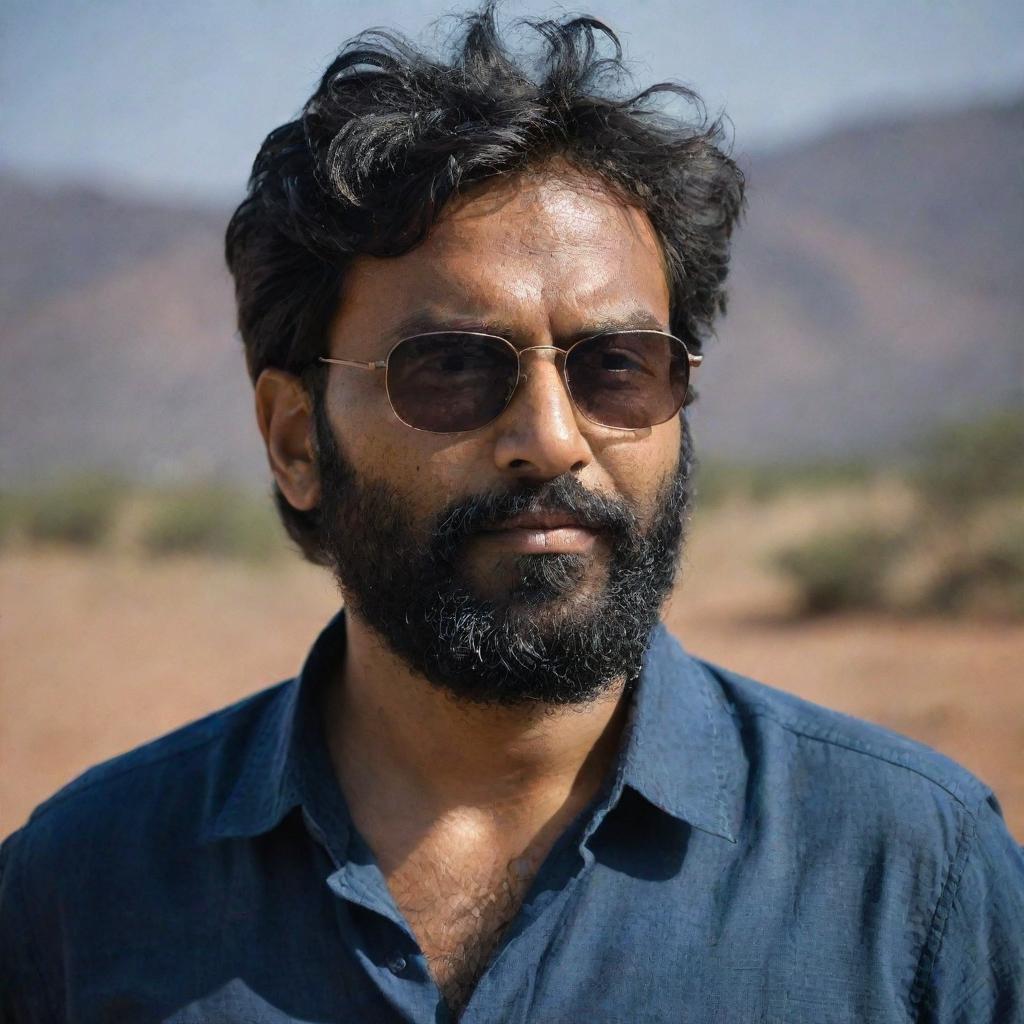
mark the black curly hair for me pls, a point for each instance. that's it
(392, 133)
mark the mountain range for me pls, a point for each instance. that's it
(877, 289)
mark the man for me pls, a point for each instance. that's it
(471, 296)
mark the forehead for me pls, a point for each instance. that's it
(545, 252)
(544, 216)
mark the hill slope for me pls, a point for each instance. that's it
(875, 291)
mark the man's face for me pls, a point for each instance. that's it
(413, 520)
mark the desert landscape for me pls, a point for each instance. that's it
(875, 296)
(106, 648)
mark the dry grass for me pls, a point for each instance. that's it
(104, 651)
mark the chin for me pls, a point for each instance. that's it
(552, 583)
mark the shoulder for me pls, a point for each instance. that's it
(176, 779)
(112, 850)
(841, 789)
(871, 826)
(776, 722)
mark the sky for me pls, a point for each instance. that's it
(173, 98)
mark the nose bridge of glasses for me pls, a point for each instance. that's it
(523, 375)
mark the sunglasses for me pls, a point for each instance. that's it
(447, 382)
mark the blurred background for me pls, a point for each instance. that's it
(859, 534)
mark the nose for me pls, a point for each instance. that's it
(538, 434)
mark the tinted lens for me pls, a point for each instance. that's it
(634, 379)
(450, 382)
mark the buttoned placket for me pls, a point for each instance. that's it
(386, 951)
(390, 955)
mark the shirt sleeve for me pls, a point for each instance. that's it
(23, 995)
(977, 971)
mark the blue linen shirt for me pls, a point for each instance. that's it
(752, 858)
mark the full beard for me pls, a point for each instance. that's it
(554, 635)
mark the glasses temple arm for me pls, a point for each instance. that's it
(376, 364)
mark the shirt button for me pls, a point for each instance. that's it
(397, 964)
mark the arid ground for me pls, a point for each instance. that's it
(102, 651)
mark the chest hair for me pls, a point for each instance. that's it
(460, 912)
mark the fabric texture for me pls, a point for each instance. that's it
(752, 858)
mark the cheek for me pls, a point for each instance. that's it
(639, 467)
(427, 471)
(446, 470)
(363, 422)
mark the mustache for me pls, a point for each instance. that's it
(565, 494)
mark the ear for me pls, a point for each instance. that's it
(285, 416)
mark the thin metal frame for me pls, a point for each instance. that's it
(382, 364)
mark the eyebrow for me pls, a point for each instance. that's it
(435, 321)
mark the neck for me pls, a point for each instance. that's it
(397, 738)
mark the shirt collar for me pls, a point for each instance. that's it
(286, 763)
(682, 750)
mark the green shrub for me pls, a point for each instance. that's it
(212, 521)
(79, 511)
(771, 481)
(963, 466)
(717, 481)
(987, 576)
(840, 570)
(10, 516)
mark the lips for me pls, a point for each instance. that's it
(542, 533)
(540, 521)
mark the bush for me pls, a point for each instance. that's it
(717, 481)
(10, 516)
(841, 570)
(965, 477)
(212, 521)
(963, 466)
(772, 481)
(986, 577)
(80, 511)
